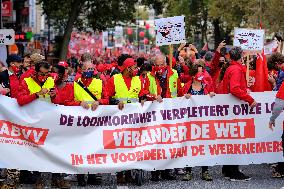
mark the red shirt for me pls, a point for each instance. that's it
(65, 96)
(234, 82)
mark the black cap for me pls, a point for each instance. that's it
(14, 58)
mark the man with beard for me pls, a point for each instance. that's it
(123, 88)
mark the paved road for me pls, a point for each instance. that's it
(261, 179)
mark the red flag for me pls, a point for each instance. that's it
(261, 74)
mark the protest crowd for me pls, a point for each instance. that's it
(116, 79)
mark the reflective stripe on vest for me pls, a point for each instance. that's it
(35, 88)
(96, 87)
(122, 92)
(172, 84)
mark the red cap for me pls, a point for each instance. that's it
(127, 63)
(63, 63)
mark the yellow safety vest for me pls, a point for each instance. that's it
(121, 91)
(35, 88)
(95, 87)
(172, 84)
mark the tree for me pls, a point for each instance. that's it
(247, 13)
(99, 14)
(196, 16)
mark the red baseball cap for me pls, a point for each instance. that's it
(63, 63)
(127, 63)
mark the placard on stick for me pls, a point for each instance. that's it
(249, 39)
(170, 30)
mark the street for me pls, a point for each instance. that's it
(260, 174)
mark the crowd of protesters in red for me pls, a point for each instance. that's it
(196, 73)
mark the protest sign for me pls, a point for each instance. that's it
(249, 39)
(170, 30)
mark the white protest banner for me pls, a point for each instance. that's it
(170, 30)
(200, 131)
(249, 39)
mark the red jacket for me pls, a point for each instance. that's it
(234, 82)
(280, 93)
(30, 72)
(14, 85)
(168, 93)
(65, 96)
(24, 96)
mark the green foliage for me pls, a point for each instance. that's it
(99, 14)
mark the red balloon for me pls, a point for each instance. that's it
(141, 34)
(129, 31)
(147, 26)
(146, 41)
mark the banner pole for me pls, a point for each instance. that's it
(171, 56)
(247, 72)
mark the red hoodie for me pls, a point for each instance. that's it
(234, 82)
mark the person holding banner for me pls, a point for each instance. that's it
(164, 83)
(278, 169)
(88, 90)
(36, 86)
(278, 59)
(234, 82)
(198, 86)
(127, 87)
(163, 80)
(124, 88)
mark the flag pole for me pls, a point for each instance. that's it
(171, 56)
(247, 72)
